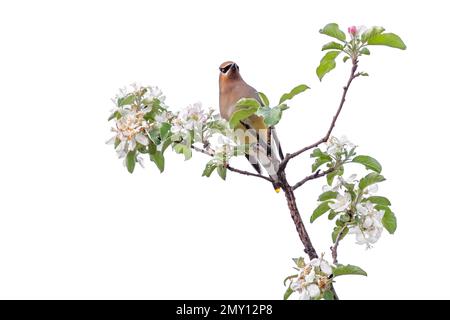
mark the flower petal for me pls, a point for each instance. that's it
(313, 290)
(142, 139)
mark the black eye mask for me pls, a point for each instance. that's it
(225, 69)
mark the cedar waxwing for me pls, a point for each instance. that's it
(233, 88)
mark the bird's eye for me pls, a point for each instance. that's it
(225, 69)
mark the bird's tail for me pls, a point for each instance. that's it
(268, 156)
(265, 151)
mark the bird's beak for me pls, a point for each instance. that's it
(234, 66)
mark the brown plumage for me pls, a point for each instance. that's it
(233, 88)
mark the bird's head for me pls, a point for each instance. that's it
(229, 70)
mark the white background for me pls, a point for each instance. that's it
(75, 224)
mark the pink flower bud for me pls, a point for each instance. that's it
(352, 30)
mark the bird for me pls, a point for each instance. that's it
(232, 88)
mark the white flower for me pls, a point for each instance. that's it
(323, 264)
(162, 117)
(313, 290)
(304, 295)
(142, 139)
(177, 126)
(312, 279)
(309, 278)
(193, 117)
(373, 188)
(361, 29)
(154, 92)
(336, 146)
(130, 129)
(310, 292)
(339, 182)
(370, 226)
(342, 202)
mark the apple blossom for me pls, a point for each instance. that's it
(352, 31)
(313, 279)
(369, 227)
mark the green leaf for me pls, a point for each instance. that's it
(332, 46)
(387, 39)
(337, 172)
(317, 153)
(295, 91)
(328, 195)
(370, 179)
(222, 171)
(245, 107)
(114, 115)
(264, 99)
(338, 229)
(365, 51)
(299, 262)
(166, 144)
(131, 161)
(271, 115)
(320, 210)
(332, 30)
(183, 149)
(164, 131)
(116, 142)
(289, 278)
(370, 33)
(369, 162)
(389, 220)
(288, 293)
(379, 200)
(158, 159)
(209, 169)
(341, 270)
(154, 135)
(127, 100)
(345, 58)
(327, 64)
(320, 161)
(328, 295)
(332, 215)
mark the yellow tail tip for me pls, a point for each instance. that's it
(277, 190)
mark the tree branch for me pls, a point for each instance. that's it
(290, 156)
(313, 176)
(210, 153)
(295, 215)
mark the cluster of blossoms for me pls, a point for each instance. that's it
(369, 227)
(350, 199)
(313, 278)
(143, 124)
(191, 118)
(365, 221)
(132, 127)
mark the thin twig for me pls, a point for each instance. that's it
(313, 176)
(248, 173)
(290, 156)
(334, 248)
(210, 153)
